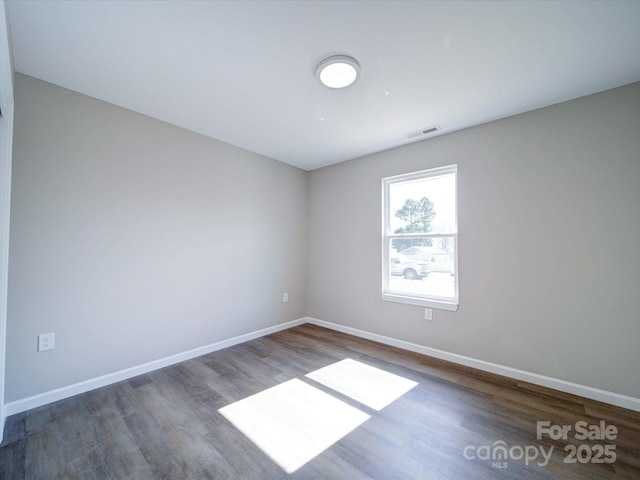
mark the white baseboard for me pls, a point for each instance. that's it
(612, 398)
(45, 398)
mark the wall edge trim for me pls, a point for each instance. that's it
(612, 398)
(22, 405)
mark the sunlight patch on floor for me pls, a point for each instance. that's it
(293, 422)
(368, 385)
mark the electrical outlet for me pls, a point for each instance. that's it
(285, 297)
(46, 341)
(428, 314)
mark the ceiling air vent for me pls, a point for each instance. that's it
(422, 132)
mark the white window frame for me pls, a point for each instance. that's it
(443, 303)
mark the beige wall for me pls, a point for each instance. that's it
(133, 240)
(548, 248)
(6, 136)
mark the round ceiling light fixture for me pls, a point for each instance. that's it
(338, 71)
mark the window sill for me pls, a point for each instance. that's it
(423, 302)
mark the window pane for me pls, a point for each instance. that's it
(423, 205)
(420, 238)
(423, 267)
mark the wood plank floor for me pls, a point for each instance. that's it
(166, 425)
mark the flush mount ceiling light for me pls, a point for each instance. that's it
(338, 71)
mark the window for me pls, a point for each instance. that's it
(420, 238)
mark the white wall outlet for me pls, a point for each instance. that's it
(285, 297)
(428, 314)
(46, 341)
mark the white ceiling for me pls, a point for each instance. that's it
(243, 71)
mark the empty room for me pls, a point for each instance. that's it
(317, 239)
